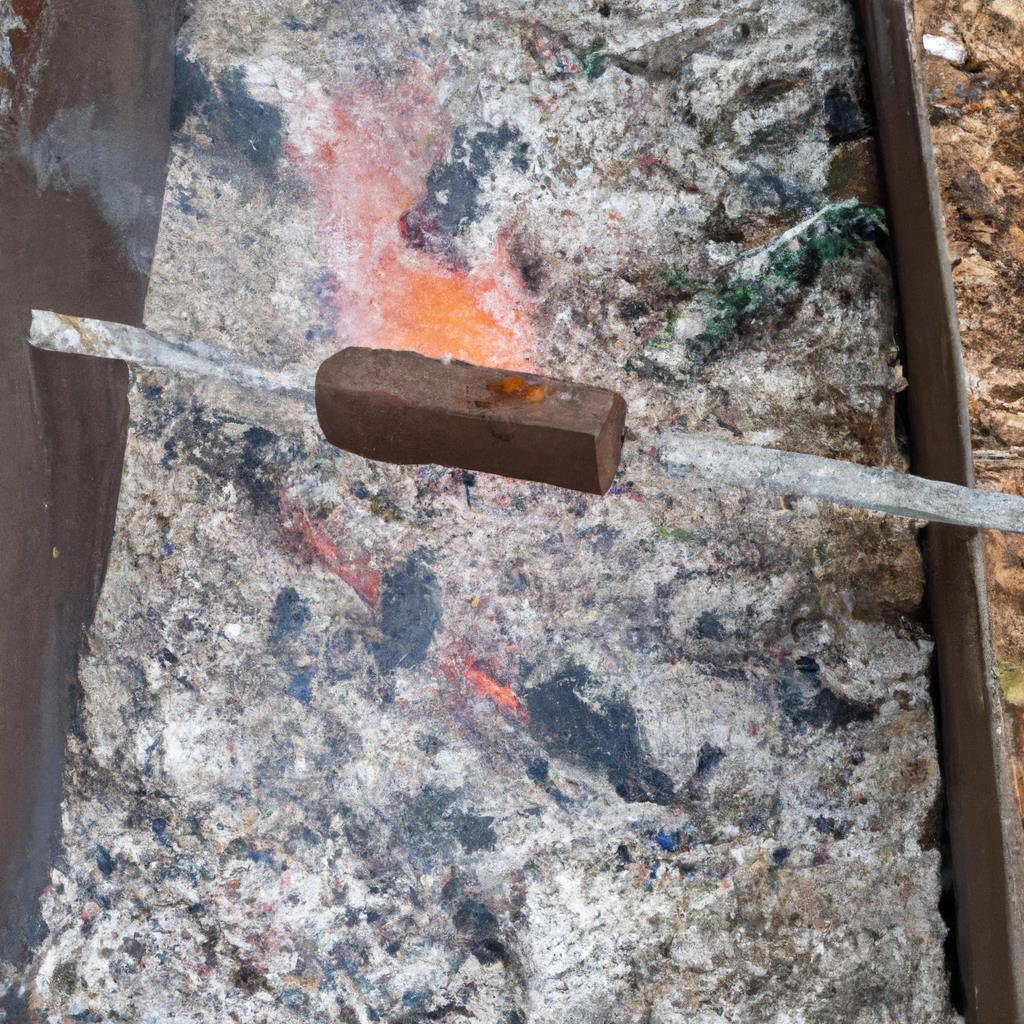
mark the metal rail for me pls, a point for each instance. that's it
(984, 820)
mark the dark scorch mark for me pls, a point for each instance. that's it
(431, 827)
(772, 192)
(451, 204)
(844, 116)
(474, 831)
(192, 91)
(301, 686)
(409, 617)
(604, 737)
(805, 702)
(708, 758)
(253, 465)
(105, 862)
(709, 626)
(290, 615)
(237, 124)
(479, 924)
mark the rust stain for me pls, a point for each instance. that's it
(28, 12)
(19, 39)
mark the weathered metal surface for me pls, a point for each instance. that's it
(377, 743)
(85, 87)
(57, 332)
(844, 483)
(975, 91)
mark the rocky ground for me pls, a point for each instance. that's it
(974, 68)
(370, 743)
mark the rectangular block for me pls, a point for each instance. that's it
(406, 408)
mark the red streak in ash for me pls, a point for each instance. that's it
(366, 154)
(459, 667)
(318, 547)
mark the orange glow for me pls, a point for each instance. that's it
(439, 312)
(489, 687)
(367, 154)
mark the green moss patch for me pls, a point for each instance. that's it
(792, 266)
(744, 298)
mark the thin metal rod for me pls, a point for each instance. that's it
(720, 462)
(843, 483)
(140, 347)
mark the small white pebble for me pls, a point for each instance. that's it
(946, 47)
(233, 630)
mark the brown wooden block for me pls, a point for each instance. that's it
(405, 408)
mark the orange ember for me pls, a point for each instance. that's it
(484, 685)
(518, 387)
(489, 687)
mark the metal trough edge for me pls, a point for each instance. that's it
(986, 837)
